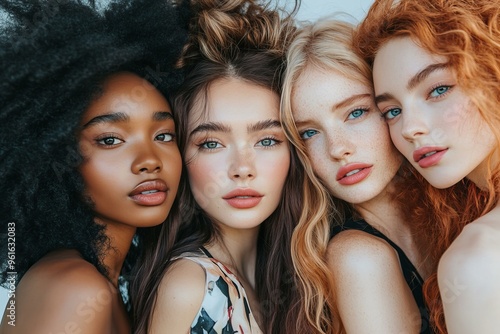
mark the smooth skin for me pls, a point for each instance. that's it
(340, 128)
(237, 143)
(126, 139)
(435, 111)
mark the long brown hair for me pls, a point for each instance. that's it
(245, 40)
(467, 33)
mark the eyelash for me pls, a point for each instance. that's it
(302, 134)
(448, 89)
(173, 135)
(100, 139)
(272, 138)
(202, 146)
(386, 113)
(363, 109)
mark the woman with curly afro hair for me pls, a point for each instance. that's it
(87, 154)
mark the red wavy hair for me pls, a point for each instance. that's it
(467, 32)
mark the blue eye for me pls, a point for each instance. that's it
(438, 91)
(308, 134)
(166, 137)
(268, 142)
(392, 113)
(356, 113)
(210, 145)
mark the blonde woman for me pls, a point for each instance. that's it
(372, 275)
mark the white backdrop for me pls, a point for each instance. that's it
(309, 10)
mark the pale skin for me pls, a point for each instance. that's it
(235, 145)
(469, 270)
(341, 128)
(124, 147)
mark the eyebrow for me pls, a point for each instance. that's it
(414, 80)
(219, 127)
(263, 125)
(423, 74)
(162, 116)
(350, 100)
(211, 126)
(122, 117)
(107, 118)
(346, 102)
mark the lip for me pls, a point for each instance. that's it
(158, 195)
(431, 160)
(344, 179)
(243, 198)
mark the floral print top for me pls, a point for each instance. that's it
(225, 308)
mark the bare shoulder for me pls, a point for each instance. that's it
(63, 292)
(360, 252)
(180, 296)
(468, 275)
(476, 251)
(368, 281)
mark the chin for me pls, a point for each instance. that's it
(441, 182)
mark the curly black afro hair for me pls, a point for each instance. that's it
(53, 56)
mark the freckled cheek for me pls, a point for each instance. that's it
(318, 154)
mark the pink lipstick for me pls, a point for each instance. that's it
(150, 193)
(243, 198)
(429, 156)
(353, 173)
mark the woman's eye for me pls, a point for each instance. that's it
(268, 142)
(109, 141)
(166, 137)
(438, 91)
(392, 113)
(356, 113)
(210, 145)
(308, 134)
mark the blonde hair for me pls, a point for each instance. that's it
(324, 45)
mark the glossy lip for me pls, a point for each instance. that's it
(243, 198)
(364, 171)
(431, 160)
(152, 199)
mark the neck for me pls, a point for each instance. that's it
(120, 237)
(237, 249)
(382, 213)
(481, 173)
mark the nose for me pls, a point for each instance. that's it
(242, 165)
(340, 146)
(147, 161)
(414, 124)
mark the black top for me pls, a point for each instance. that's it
(412, 277)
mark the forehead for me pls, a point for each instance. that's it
(232, 100)
(128, 93)
(318, 89)
(399, 58)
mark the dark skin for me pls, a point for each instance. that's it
(131, 170)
